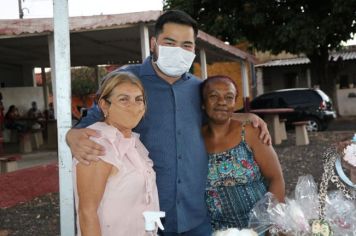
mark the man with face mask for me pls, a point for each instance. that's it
(171, 127)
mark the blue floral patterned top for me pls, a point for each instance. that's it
(234, 185)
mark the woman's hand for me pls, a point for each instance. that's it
(340, 146)
(256, 122)
(82, 148)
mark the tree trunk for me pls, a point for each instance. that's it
(320, 72)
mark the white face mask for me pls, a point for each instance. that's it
(174, 61)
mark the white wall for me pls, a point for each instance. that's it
(22, 97)
(346, 101)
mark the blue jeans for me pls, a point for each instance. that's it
(204, 229)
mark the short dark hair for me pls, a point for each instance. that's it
(214, 78)
(175, 16)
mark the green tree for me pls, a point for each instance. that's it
(311, 27)
(83, 81)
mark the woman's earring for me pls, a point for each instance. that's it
(105, 115)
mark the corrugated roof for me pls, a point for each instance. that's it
(344, 55)
(102, 32)
(334, 56)
(17, 27)
(285, 62)
(226, 47)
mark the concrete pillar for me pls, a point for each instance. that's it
(259, 81)
(308, 78)
(245, 86)
(44, 86)
(53, 69)
(63, 97)
(203, 67)
(145, 41)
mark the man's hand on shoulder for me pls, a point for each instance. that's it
(256, 122)
(82, 148)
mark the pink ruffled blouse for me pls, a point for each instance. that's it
(129, 192)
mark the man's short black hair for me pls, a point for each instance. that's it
(178, 17)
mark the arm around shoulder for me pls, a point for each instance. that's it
(82, 148)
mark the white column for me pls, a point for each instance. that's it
(245, 85)
(145, 41)
(259, 80)
(34, 82)
(63, 96)
(53, 69)
(203, 67)
(308, 78)
(44, 87)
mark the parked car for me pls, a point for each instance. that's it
(309, 104)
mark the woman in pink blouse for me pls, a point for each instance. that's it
(112, 194)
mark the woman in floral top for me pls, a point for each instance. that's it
(241, 168)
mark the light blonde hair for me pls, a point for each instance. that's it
(113, 80)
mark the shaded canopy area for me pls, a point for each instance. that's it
(96, 40)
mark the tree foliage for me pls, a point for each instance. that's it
(83, 81)
(296, 26)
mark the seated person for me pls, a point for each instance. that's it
(50, 111)
(34, 112)
(11, 120)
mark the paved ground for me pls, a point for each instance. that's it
(24, 185)
(40, 216)
(343, 124)
(42, 156)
